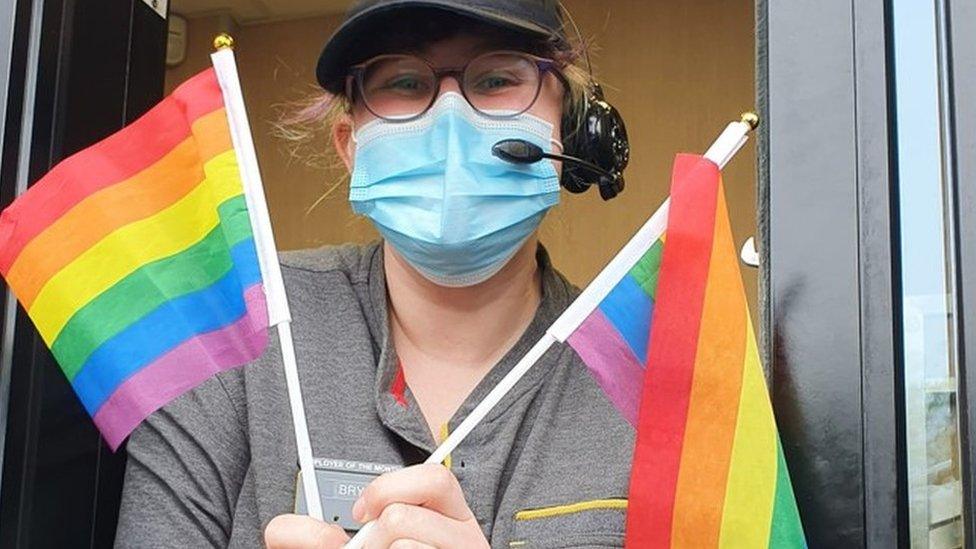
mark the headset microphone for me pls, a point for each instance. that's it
(520, 151)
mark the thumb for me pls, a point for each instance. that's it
(301, 532)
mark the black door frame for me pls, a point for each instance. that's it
(830, 275)
(960, 92)
(99, 64)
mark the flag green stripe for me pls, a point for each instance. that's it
(647, 269)
(786, 529)
(147, 288)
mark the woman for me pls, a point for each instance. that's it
(398, 341)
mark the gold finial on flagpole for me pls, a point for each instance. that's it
(750, 118)
(223, 41)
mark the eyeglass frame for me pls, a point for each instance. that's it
(542, 64)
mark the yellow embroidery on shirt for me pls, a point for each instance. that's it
(561, 510)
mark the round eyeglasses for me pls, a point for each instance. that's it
(400, 88)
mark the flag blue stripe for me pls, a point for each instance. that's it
(629, 310)
(167, 326)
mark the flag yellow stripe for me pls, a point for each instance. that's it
(752, 476)
(132, 246)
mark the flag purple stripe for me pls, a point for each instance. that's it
(183, 368)
(611, 362)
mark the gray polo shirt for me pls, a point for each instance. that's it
(549, 467)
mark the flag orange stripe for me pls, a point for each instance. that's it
(114, 159)
(212, 134)
(143, 195)
(715, 394)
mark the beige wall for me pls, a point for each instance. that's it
(678, 71)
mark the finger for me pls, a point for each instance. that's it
(431, 486)
(402, 522)
(300, 532)
(410, 544)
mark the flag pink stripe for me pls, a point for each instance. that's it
(611, 362)
(183, 368)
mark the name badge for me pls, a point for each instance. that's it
(340, 484)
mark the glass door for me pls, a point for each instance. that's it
(933, 457)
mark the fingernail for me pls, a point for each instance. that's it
(357, 510)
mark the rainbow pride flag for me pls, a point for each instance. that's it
(136, 261)
(673, 347)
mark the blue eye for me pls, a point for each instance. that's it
(407, 85)
(494, 82)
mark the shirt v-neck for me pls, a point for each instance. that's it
(395, 403)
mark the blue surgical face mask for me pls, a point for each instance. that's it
(436, 193)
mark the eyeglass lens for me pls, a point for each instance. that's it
(398, 87)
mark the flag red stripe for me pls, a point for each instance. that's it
(670, 366)
(110, 161)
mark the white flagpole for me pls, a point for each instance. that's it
(721, 152)
(279, 314)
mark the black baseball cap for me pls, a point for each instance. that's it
(542, 18)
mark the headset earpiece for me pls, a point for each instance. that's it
(596, 133)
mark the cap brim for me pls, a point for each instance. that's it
(336, 57)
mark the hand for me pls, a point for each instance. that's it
(418, 507)
(300, 532)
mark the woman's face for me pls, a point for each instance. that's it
(452, 53)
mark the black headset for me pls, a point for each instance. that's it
(596, 134)
(595, 146)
